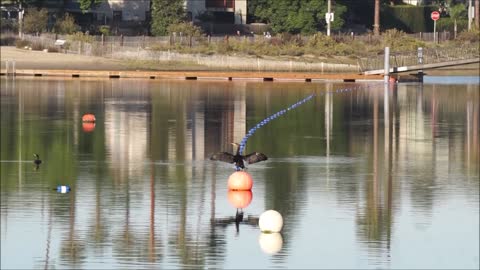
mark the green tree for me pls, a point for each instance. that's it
(85, 5)
(66, 25)
(166, 13)
(458, 12)
(35, 20)
(457, 20)
(296, 16)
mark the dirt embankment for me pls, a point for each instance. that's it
(26, 59)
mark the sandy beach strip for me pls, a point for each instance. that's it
(27, 59)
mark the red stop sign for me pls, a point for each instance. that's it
(435, 15)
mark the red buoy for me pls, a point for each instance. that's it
(88, 118)
(240, 181)
(240, 198)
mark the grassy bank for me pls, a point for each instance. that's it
(282, 52)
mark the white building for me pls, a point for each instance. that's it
(225, 11)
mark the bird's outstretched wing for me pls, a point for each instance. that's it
(222, 156)
(255, 157)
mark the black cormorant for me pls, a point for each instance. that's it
(237, 158)
(37, 160)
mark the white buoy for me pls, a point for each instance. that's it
(270, 221)
(270, 243)
(63, 189)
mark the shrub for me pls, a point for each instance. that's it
(20, 43)
(8, 25)
(37, 46)
(35, 21)
(187, 29)
(469, 36)
(66, 25)
(104, 30)
(79, 36)
(7, 39)
(53, 49)
(398, 41)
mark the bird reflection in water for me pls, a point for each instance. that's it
(237, 219)
(36, 161)
(239, 159)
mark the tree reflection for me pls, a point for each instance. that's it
(374, 219)
(72, 247)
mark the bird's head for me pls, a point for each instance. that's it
(35, 156)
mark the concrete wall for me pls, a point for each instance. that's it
(240, 11)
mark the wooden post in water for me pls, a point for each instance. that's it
(386, 65)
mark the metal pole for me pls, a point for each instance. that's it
(477, 14)
(376, 19)
(470, 15)
(386, 65)
(434, 31)
(329, 7)
(20, 21)
(420, 61)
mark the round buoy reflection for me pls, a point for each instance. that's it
(88, 126)
(240, 198)
(270, 243)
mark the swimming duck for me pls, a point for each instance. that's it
(37, 160)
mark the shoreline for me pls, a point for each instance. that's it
(39, 63)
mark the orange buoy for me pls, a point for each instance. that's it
(240, 198)
(88, 126)
(240, 181)
(88, 118)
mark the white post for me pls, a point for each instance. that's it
(328, 17)
(420, 61)
(386, 65)
(470, 15)
(20, 21)
(434, 31)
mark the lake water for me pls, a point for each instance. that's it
(364, 175)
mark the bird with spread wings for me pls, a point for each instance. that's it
(238, 159)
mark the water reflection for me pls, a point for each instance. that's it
(353, 177)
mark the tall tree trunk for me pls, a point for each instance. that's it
(477, 14)
(376, 20)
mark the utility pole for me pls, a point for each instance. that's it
(470, 15)
(477, 14)
(376, 20)
(20, 20)
(329, 10)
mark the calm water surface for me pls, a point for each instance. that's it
(370, 177)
